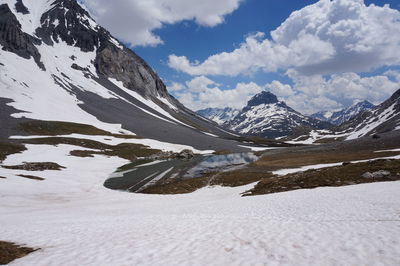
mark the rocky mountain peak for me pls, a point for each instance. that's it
(67, 21)
(365, 104)
(264, 97)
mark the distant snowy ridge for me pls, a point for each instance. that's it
(344, 115)
(382, 118)
(219, 115)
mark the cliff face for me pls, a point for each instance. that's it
(124, 65)
(14, 40)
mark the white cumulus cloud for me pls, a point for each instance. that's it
(328, 37)
(133, 21)
(202, 92)
(316, 93)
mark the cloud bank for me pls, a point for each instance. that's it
(202, 92)
(308, 94)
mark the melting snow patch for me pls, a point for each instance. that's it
(393, 150)
(258, 148)
(110, 140)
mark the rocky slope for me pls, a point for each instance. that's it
(58, 64)
(383, 118)
(268, 117)
(344, 115)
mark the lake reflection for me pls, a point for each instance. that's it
(135, 177)
(218, 162)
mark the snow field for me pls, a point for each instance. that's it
(76, 221)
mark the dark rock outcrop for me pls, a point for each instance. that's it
(124, 65)
(69, 22)
(14, 40)
(264, 97)
(21, 8)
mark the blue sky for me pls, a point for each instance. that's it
(193, 36)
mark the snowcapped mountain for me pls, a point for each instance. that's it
(266, 116)
(382, 118)
(58, 64)
(219, 115)
(339, 117)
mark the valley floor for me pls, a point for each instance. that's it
(74, 220)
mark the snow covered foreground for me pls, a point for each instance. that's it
(76, 221)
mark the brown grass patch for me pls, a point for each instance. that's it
(10, 251)
(178, 187)
(53, 128)
(35, 166)
(32, 177)
(9, 148)
(349, 174)
(239, 177)
(288, 160)
(83, 154)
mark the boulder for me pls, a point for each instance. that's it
(377, 174)
(381, 173)
(367, 175)
(186, 154)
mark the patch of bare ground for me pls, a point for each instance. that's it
(83, 153)
(239, 177)
(41, 166)
(348, 174)
(10, 148)
(32, 177)
(53, 128)
(10, 251)
(178, 187)
(292, 160)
